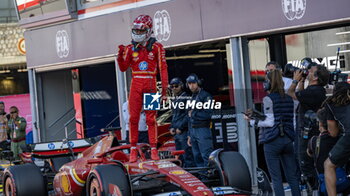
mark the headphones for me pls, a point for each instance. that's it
(193, 78)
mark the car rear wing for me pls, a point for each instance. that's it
(59, 148)
(61, 145)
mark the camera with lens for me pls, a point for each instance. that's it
(310, 123)
(337, 76)
(306, 64)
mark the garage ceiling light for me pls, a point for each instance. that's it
(339, 44)
(344, 51)
(5, 71)
(199, 56)
(342, 33)
(211, 50)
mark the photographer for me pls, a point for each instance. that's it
(338, 107)
(310, 98)
(319, 147)
(278, 134)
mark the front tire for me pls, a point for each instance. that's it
(235, 170)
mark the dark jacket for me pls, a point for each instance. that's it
(283, 116)
(201, 117)
(180, 117)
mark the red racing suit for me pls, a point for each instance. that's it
(145, 63)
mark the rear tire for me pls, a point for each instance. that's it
(104, 175)
(16, 181)
(236, 171)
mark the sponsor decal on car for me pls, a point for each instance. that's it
(166, 165)
(138, 170)
(187, 176)
(177, 172)
(51, 146)
(65, 183)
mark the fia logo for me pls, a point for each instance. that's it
(151, 101)
(62, 44)
(162, 25)
(294, 9)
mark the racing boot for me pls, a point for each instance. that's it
(154, 154)
(133, 154)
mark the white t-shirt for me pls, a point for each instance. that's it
(126, 116)
(287, 83)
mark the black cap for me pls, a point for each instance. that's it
(176, 81)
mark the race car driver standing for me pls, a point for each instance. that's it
(144, 55)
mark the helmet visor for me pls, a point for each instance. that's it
(139, 31)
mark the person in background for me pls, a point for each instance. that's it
(3, 122)
(179, 123)
(338, 107)
(143, 131)
(200, 138)
(319, 148)
(271, 66)
(310, 98)
(16, 128)
(278, 134)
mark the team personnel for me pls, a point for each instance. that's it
(17, 130)
(179, 122)
(145, 57)
(199, 123)
(338, 107)
(143, 134)
(310, 98)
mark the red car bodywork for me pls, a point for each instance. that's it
(71, 178)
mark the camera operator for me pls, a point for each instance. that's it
(278, 134)
(310, 98)
(338, 107)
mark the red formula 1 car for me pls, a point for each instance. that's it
(103, 169)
